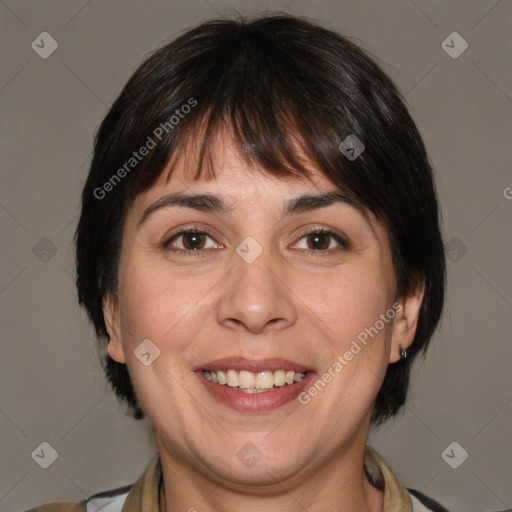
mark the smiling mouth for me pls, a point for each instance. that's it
(250, 382)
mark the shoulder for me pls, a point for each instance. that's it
(108, 501)
(422, 503)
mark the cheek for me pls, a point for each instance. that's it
(355, 357)
(348, 302)
(166, 310)
(160, 305)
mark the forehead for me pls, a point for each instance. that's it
(235, 178)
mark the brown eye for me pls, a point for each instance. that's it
(189, 241)
(193, 241)
(318, 241)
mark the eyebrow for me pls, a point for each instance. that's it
(214, 204)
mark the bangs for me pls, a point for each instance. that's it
(270, 145)
(263, 101)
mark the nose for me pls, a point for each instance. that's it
(257, 296)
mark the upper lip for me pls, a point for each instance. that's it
(252, 365)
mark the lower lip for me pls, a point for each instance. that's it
(255, 402)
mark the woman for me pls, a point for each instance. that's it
(259, 251)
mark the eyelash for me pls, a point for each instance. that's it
(310, 252)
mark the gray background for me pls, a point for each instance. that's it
(51, 386)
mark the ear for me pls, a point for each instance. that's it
(113, 324)
(406, 320)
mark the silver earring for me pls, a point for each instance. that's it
(403, 353)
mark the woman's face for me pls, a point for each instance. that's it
(253, 294)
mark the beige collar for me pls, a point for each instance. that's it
(396, 497)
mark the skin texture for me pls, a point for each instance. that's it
(287, 303)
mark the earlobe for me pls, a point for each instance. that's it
(112, 323)
(406, 322)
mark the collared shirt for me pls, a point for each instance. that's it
(143, 496)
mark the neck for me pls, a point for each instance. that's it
(340, 485)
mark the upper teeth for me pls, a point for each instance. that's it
(249, 380)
